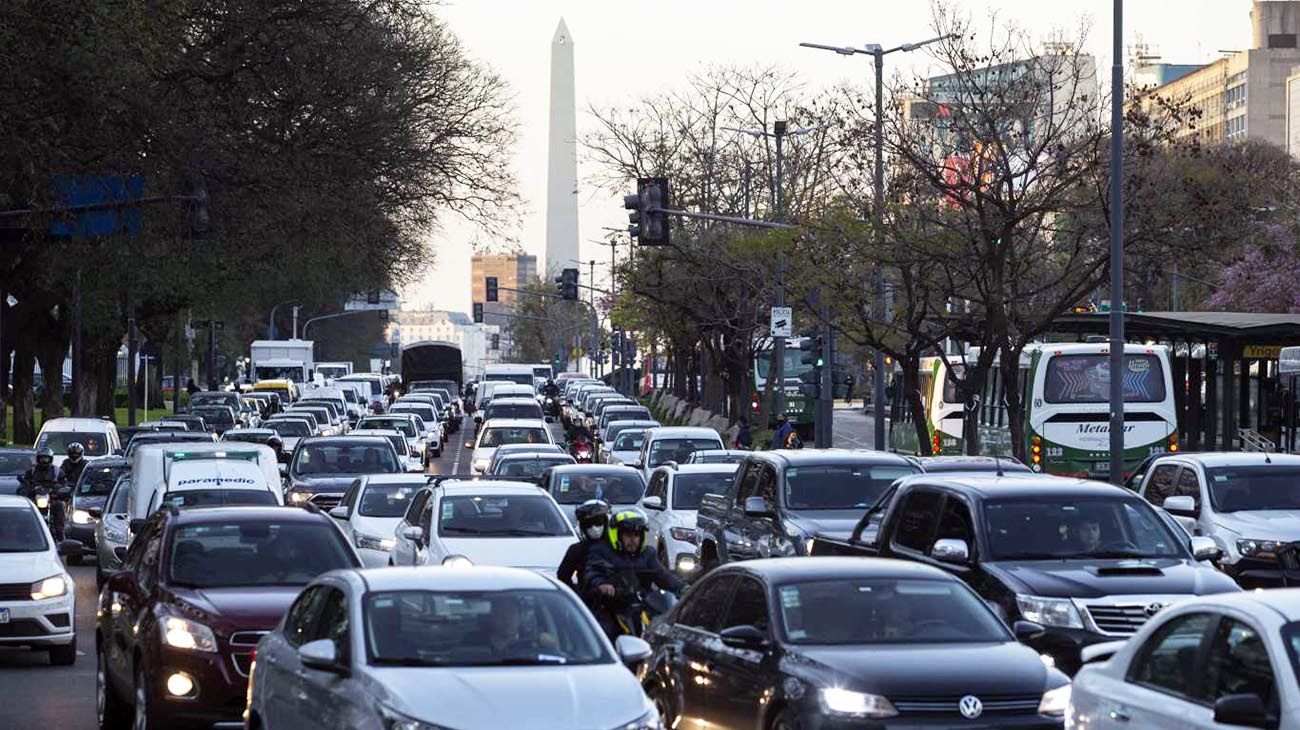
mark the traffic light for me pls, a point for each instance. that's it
(478, 312)
(568, 284)
(496, 342)
(813, 356)
(648, 220)
(491, 283)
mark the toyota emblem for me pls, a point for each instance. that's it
(970, 707)
(1154, 608)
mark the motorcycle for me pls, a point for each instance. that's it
(551, 408)
(582, 452)
(634, 608)
(50, 499)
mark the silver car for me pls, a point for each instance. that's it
(111, 531)
(456, 647)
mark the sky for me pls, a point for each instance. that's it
(627, 50)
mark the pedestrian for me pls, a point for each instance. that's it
(744, 439)
(783, 431)
(192, 387)
(848, 384)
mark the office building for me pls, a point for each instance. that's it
(512, 271)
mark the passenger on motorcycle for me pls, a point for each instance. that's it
(622, 567)
(71, 468)
(593, 518)
(43, 475)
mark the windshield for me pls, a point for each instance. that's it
(215, 415)
(1262, 487)
(1086, 379)
(616, 487)
(402, 425)
(679, 450)
(332, 371)
(20, 531)
(513, 410)
(386, 500)
(118, 505)
(639, 414)
(629, 441)
(243, 435)
(210, 399)
(98, 480)
(514, 627)
(530, 467)
(279, 372)
(689, 489)
(224, 555)
(16, 462)
(794, 364)
(218, 497)
(331, 458)
(1101, 527)
(502, 435)
(425, 412)
(887, 611)
(291, 428)
(839, 486)
(94, 443)
(501, 515)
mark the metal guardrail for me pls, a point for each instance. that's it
(1251, 440)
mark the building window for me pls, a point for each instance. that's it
(1282, 40)
(1235, 128)
(1235, 96)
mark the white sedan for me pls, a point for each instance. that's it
(498, 432)
(489, 523)
(37, 596)
(372, 508)
(1228, 660)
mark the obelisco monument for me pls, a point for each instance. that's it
(562, 160)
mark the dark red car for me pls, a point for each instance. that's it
(199, 587)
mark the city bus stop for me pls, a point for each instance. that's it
(1229, 391)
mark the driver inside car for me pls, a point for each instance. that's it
(1086, 533)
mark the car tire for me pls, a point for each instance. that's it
(437, 453)
(787, 720)
(113, 713)
(145, 717)
(64, 655)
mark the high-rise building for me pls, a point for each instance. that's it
(513, 271)
(562, 158)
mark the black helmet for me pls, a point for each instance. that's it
(46, 453)
(628, 520)
(276, 443)
(592, 513)
(75, 450)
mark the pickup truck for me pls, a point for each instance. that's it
(1089, 562)
(780, 501)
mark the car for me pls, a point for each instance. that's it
(528, 465)
(251, 412)
(314, 425)
(430, 420)
(89, 495)
(525, 448)
(513, 390)
(1214, 662)
(177, 627)
(513, 408)
(432, 648)
(614, 429)
(844, 643)
(410, 463)
(972, 465)
(250, 435)
(670, 502)
(1246, 502)
(505, 431)
(113, 530)
(329, 421)
(489, 523)
(191, 421)
(290, 430)
(622, 448)
(612, 413)
(37, 595)
(270, 402)
(336, 405)
(717, 456)
(98, 437)
(378, 394)
(409, 425)
(324, 466)
(167, 437)
(573, 484)
(14, 463)
(371, 509)
(673, 443)
(227, 398)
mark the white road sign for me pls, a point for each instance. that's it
(781, 322)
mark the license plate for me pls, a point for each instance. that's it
(4, 615)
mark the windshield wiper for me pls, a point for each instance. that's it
(522, 661)
(528, 533)
(407, 661)
(1118, 554)
(1032, 556)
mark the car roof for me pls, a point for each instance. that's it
(513, 401)
(716, 468)
(196, 515)
(1285, 601)
(812, 457)
(13, 500)
(971, 464)
(17, 450)
(514, 422)
(374, 432)
(1020, 485)
(439, 578)
(834, 568)
(595, 468)
(1237, 458)
(415, 479)
(341, 440)
(682, 431)
(109, 462)
(539, 455)
(78, 424)
(487, 486)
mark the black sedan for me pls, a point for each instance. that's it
(14, 463)
(830, 643)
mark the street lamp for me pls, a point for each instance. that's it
(878, 52)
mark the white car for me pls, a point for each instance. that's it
(669, 504)
(674, 443)
(370, 511)
(410, 461)
(490, 523)
(426, 648)
(502, 431)
(1228, 660)
(623, 448)
(429, 423)
(37, 595)
(97, 436)
(410, 426)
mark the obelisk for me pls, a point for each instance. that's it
(562, 159)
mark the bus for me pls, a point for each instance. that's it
(798, 407)
(943, 411)
(1065, 390)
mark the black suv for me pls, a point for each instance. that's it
(177, 626)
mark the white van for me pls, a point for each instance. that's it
(191, 474)
(97, 436)
(521, 374)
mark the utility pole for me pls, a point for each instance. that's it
(181, 352)
(212, 354)
(295, 321)
(131, 348)
(1117, 360)
(778, 343)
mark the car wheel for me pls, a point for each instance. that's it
(145, 717)
(112, 712)
(437, 453)
(787, 720)
(65, 655)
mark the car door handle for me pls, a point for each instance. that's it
(1118, 716)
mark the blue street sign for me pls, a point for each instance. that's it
(76, 190)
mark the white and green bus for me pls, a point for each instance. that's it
(798, 407)
(943, 410)
(1065, 389)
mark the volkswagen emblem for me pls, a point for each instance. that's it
(970, 707)
(1154, 608)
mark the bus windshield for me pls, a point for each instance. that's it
(794, 364)
(1086, 379)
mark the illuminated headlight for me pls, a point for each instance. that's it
(648, 721)
(838, 701)
(1259, 548)
(81, 517)
(686, 564)
(299, 498)
(1049, 611)
(1055, 701)
(684, 534)
(182, 633)
(52, 587)
(457, 561)
(180, 684)
(371, 542)
(42, 501)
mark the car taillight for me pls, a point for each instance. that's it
(1173, 442)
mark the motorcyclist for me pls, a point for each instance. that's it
(624, 560)
(579, 435)
(71, 468)
(593, 518)
(44, 474)
(550, 390)
(277, 445)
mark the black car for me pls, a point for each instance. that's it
(831, 643)
(88, 498)
(14, 463)
(323, 467)
(193, 420)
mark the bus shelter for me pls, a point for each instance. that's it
(1233, 394)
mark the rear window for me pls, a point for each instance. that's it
(255, 554)
(514, 410)
(502, 435)
(616, 487)
(95, 444)
(689, 489)
(512, 515)
(1086, 379)
(16, 462)
(98, 480)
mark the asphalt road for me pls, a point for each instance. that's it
(853, 429)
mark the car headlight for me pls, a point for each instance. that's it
(52, 587)
(1259, 548)
(1055, 701)
(394, 720)
(299, 498)
(182, 633)
(457, 561)
(481, 464)
(648, 721)
(42, 501)
(81, 517)
(1049, 611)
(113, 533)
(372, 542)
(838, 701)
(685, 534)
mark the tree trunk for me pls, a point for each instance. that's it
(1010, 369)
(104, 365)
(911, 365)
(24, 381)
(971, 386)
(51, 350)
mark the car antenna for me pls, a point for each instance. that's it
(997, 462)
(1266, 459)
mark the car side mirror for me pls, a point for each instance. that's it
(320, 654)
(118, 452)
(757, 508)
(1180, 506)
(284, 469)
(652, 503)
(339, 512)
(96, 512)
(1027, 630)
(743, 637)
(1246, 710)
(950, 550)
(413, 533)
(632, 650)
(1205, 549)
(469, 444)
(137, 524)
(69, 547)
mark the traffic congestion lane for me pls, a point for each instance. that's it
(38, 695)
